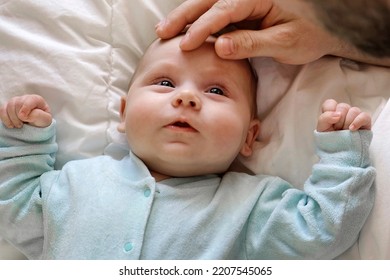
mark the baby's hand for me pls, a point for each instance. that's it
(340, 116)
(31, 109)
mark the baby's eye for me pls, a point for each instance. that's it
(216, 90)
(165, 83)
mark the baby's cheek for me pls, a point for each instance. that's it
(230, 135)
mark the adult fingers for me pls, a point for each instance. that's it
(283, 42)
(180, 17)
(218, 16)
(270, 42)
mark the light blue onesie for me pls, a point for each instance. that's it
(103, 208)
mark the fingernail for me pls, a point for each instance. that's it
(186, 39)
(352, 127)
(336, 114)
(226, 46)
(160, 24)
(9, 125)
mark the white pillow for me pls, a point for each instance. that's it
(80, 56)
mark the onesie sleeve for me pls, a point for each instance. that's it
(324, 219)
(25, 154)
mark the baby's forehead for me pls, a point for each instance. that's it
(159, 46)
(170, 49)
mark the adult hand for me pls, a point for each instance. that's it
(262, 29)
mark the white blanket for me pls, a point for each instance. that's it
(80, 56)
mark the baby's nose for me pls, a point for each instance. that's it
(187, 99)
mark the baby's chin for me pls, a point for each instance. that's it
(176, 166)
(162, 174)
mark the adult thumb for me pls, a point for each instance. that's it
(241, 44)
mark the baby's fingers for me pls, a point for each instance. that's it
(361, 121)
(343, 109)
(327, 120)
(39, 118)
(9, 114)
(329, 105)
(30, 103)
(31, 109)
(35, 111)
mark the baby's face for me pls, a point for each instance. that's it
(188, 113)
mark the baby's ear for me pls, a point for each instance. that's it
(122, 110)
(253, 132)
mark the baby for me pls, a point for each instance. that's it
(187, 117)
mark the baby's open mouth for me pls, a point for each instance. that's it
(181, 124)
